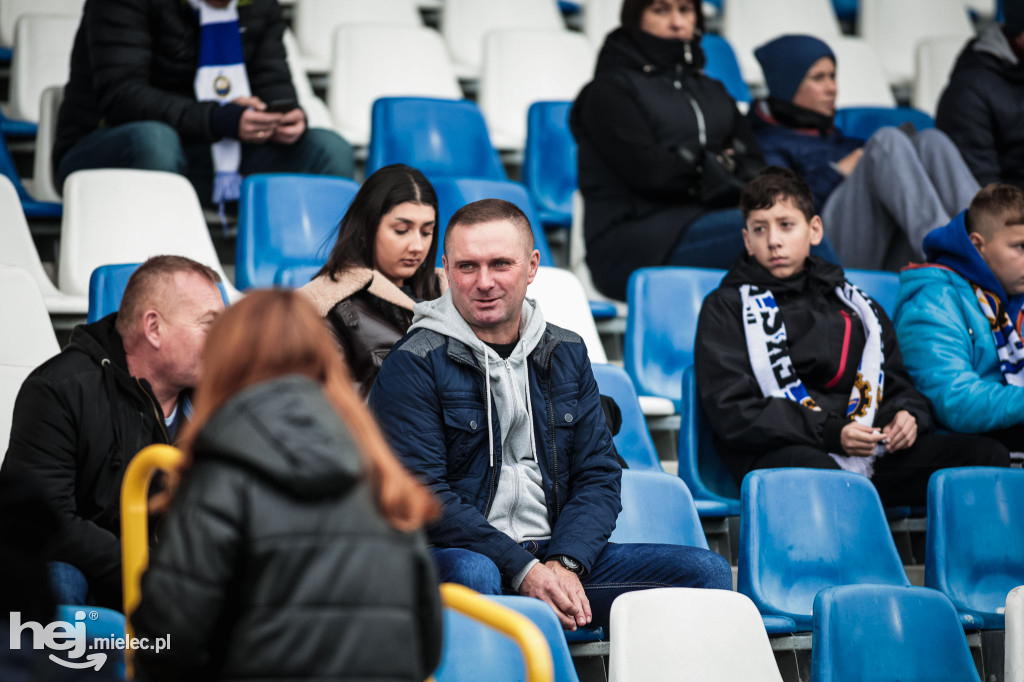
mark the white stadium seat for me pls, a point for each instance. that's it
(314, 23)
(42, 58)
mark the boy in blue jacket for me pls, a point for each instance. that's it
(959, 318)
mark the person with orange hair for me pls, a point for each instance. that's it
(292, 547)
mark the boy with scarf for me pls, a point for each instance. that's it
(798, 367)
(959, 318)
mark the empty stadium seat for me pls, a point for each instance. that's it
(1014, 655)
(933, 64)
(381, 60)
(523, 66)
(863, 122)
(563, 302)
(895, 28)
(314, 22)
(600, 17)
(42, 58)
(722, 65)
(877, 633)
(465, 24)
(802, 530)
(657, 508)
(683, 633)
(440, 137)
(42, 168)
(633, 440)
(974, 551)
(30, 340)
(126, 216)
(748, 24)
(12, 10)
(17, 248)
(454, 193)
(287, 220)
(317, 115)
(882, 286)
(33, 208)
(860, 79)
(549, 162)
(713, 487)
(106, 289)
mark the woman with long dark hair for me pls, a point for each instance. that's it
(381, 265)
(292, 548)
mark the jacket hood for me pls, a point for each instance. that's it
(991, 51)
(286, 431)
(950, 246)
(441, 316)
(746, 270)
(100, 341)
(634, 49)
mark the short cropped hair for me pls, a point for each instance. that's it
(490, 211)
(146, 283)
(772, 185)
(995, 207)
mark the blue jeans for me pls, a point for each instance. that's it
(68, 584)
(152, 145)
(715, 240)
(619, 568)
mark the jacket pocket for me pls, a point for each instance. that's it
(465, 436)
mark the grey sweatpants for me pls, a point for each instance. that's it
(902, 188)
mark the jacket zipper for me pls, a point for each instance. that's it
(494, 469)
(678, 82)
(157, 412)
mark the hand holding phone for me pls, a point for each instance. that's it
(282, 106)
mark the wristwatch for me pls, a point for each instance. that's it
(570, 564)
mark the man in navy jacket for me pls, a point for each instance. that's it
(499, 414)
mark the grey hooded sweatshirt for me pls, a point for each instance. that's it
(519, 509)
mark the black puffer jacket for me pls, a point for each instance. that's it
(78, 420)
(746, 424)
(638, 143)
(274, 563)
(982, 109)
(136, 60)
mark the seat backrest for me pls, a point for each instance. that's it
(317, 115)
(862, 122)
(974, 548)
(748, 24)
(882, 286)
(473, 651)
(381, 60)
(699, 463)
(712, 635)
(872, 633)
(287, 219)
(454, 193)
(860, 79)
(523, 66)
(722, 65)
(465, 24)
(16, 246)
(802, 530)
(549, 160)
(126, 216)
(11, 379)
(600, 17)
(659, 337)
(12, 10)
(106, 289)
(314, 21)
(633, 440)
(563, 302)
(42, 165)
(30, 339)
(657, 508)
(42, 58)
(934, 63)
(440, 137)
(895, 28)
(1014, 658)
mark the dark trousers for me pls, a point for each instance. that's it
(901, 478)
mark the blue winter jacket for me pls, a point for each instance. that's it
(429, 399)
(947, 341)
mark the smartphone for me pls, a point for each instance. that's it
(282, 106)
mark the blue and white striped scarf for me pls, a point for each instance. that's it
(768, 350)
(221, 77)
(1008, 342)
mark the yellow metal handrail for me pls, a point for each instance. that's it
(135, 525)
(531, 641)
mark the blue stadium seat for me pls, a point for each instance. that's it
(106, 287)
(454, 193)
(974, 551)
(549, 162)
(440, 137)
(296, 275)
(657, 507)
(722, 65)
(700, 467)
(287, 220)
(876, 633)
(883, 287)
(862, 122)
(12, 128)
(33, 209)
(659, 337)
(802, 530)
(846, 10)
(473, 651)
(99, 622)
(633, 440)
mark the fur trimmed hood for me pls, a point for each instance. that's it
(326, 293)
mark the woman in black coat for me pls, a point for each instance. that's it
(292, 548)
(662, 149)
(381, 265)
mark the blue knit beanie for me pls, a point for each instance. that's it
(786, 60)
